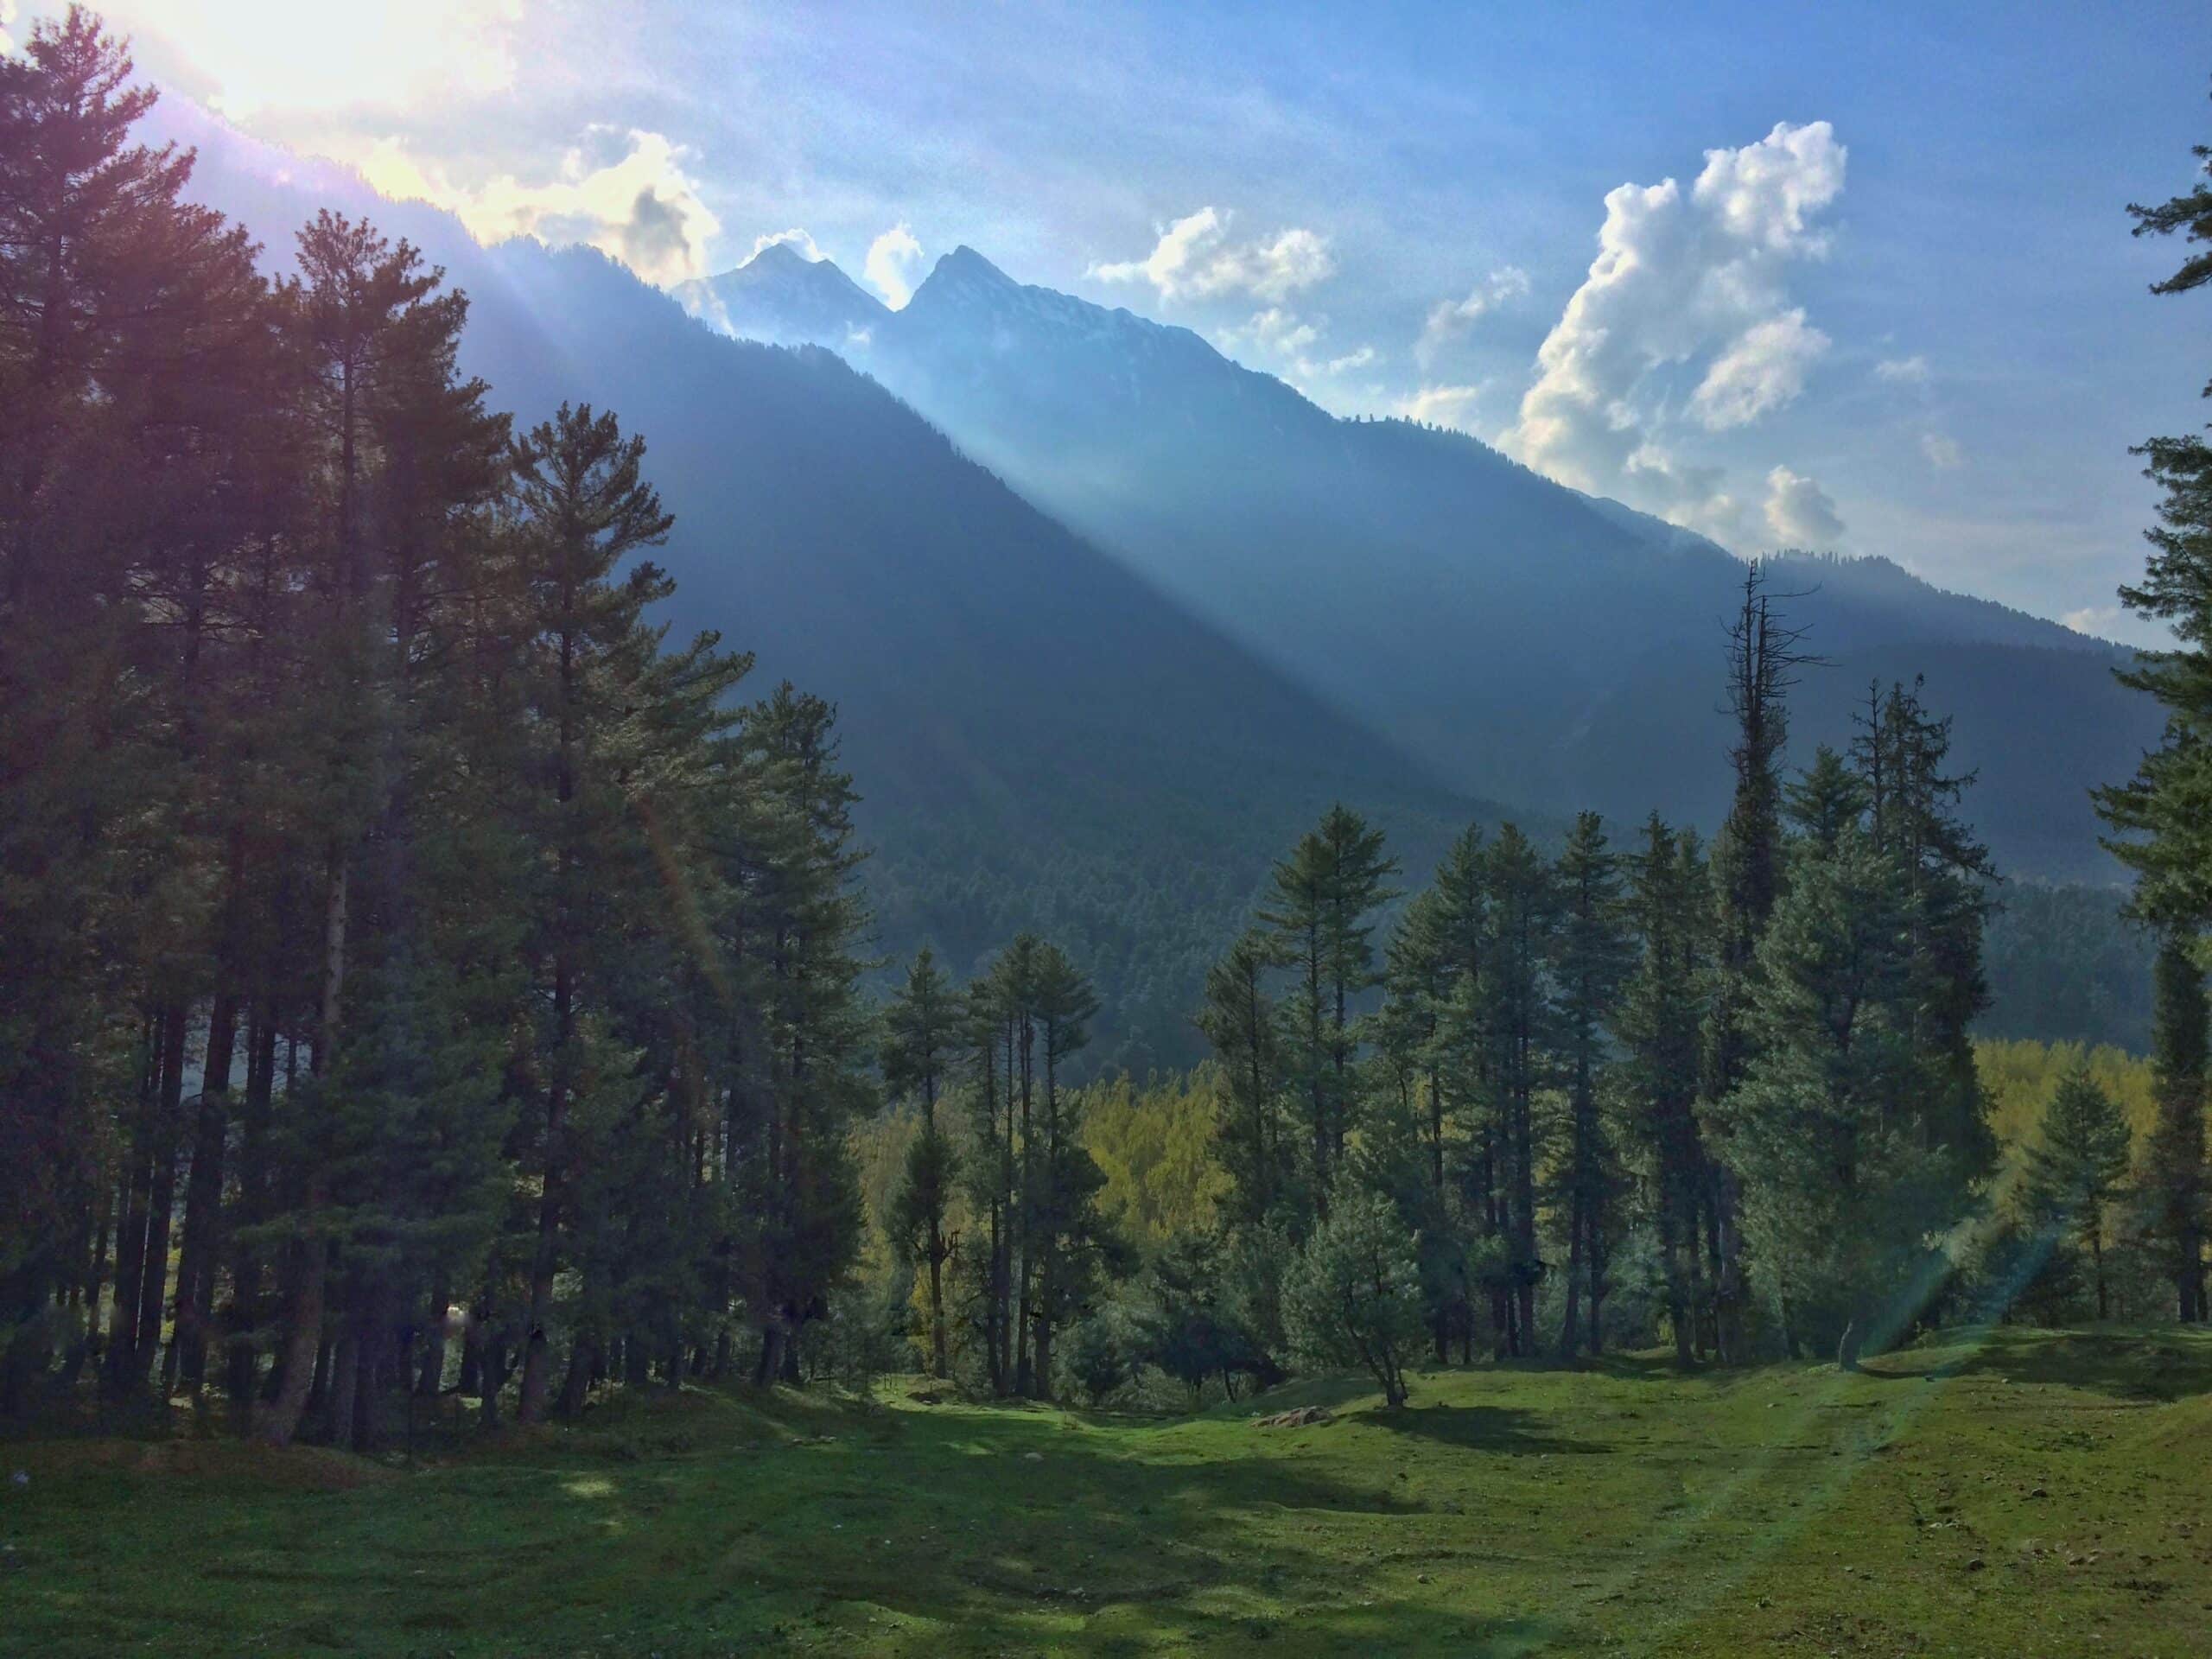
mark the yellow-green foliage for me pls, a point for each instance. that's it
(2019, 1076)
(879, 1147)
(1155, 1146)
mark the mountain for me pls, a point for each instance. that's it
(1042, 738)
(1522, 638)
(781, 297)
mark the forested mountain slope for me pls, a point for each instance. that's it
(1527, 640)
(1042, 739)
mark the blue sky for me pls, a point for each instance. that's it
(1919, 330)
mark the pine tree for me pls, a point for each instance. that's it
(922, 1031)
(2174, 1184)
(1590, 962)
(1910, 801)
(1321, 915)
(2075, 1171)
(1764, 654)
(1658, 1024)
(1244, 1025)
(2164, 828)
(805, 1082)
(1456, 932)
(1838, 1199)
(1353, 1296)
(1516, 1023)
(1063, 1235)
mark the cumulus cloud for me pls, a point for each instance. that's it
(891, 259)
(794, 237)
(1284, 335)
(1195, 257)
(1763, 369)
(627, 194)
(1449, 319)
(1942, 451)
(1799, 511)
(1684, 277)
(1902, 370)
(7, 20)
(1438, 405)
(1273, 330)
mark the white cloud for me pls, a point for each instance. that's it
(1942, 451)
(1195, 257)
(1273, 330)
(2097, 620)
(1800, 512)
(626, 193)
(1902, 370)
(891, 261)
(1452, 406)
(794, 237)
(1449, 319)
(6, 18)
(1684, 277)
(1763, 369)
(1283, 334)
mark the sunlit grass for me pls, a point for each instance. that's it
(2031, 1492)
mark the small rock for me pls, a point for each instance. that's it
(1033, 1457)
(1976, 1565)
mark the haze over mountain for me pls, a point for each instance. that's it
(1296, 608)
(1526, 640)
(1041, 739)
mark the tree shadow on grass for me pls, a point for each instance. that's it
(1506, 1429)
(2124, 1363)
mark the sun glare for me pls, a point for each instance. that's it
(263, 55)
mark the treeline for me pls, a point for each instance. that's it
(1724, 1098)
(418, 971)
(422, 976)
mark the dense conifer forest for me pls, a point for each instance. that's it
(431, 984)
(497, 1092)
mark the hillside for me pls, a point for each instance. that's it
(2024, 1492)
(1042, 738)
(1527, 641)
(1048, 737)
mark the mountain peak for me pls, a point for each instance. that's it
(964, 271)
(964, 261)
(780, 253)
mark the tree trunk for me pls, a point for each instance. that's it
(939, 1364)
(203, 1199)
(302, 1336)
(161, 1200)
(1571, 1327)
(1597, 1300)
(121, 1358)
(430, 1367)
(577, 1381)
(246, 1261)
(490, 1377)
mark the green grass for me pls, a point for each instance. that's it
(2031, 1492)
